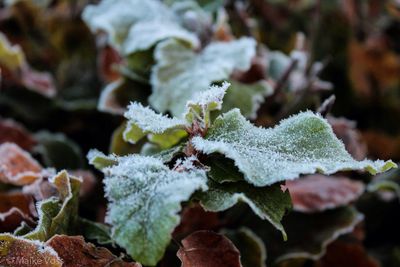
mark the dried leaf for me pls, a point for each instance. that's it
(13, 132)
(19, 252)
(17, 167)
(315, 193)
(74, 251)
(208, 249)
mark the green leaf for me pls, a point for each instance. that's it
(144, 199)
(58, 151)
(252, 249)
(11, 56)
(58, 215)
(202, 103)
(135, 25)
(142, 121)
(269, 202)
(99, 160)
(389, 181)
(96, 231)
(302, 144)
(247, 97)
(180, 72)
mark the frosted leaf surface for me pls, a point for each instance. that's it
(302, 144)
(143, 121)
(181, 72)
(144, 35)
(144, 199)
(269, 203)
(122, 20)
(204, 102)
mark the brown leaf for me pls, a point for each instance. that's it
(381, 145)
(346, 131)
(107, 59)
(13, 132)
(18, 252)
(12, 219)
(75, 252)
(17, 167)
(195, 218)
(346, 254)
(88, 181)
(208, 249)
(315, 193)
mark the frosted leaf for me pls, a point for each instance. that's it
(269, 203)
(16, 251)
(143, 121)
(302, 144)
(130, 23)
(144, 35)
(58, 215)
(181, 72)
(144, 199)
(204, 102)
(247, 97)
(99, 160)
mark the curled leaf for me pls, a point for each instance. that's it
(74, 251)
(315, 193)
(17, 167)
(208, 249)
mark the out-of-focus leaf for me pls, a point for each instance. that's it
(302, 144)
(17, 252)
(58, 215)
(13, 132)
(180, 72)
(17, 167)
(119, 146)
(247, 97)
(341, 253)
(15, 208)
(136, 25)
(346, 131)
(96, 231)
(387, 184)
(195, 218)
(208, 249)
(308, 234)
(58, 151)
(252, 249)
(315, 193)
(11, 56)
(74, 251)
(144, 198)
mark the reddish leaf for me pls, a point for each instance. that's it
(18, 252)
(17, 167)
(13, 132)
(208, 249)
(75, 252)
(317, 192)
(40, 82)
(352, 139)
(346, 254)
(107, 59)
(194, 218)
